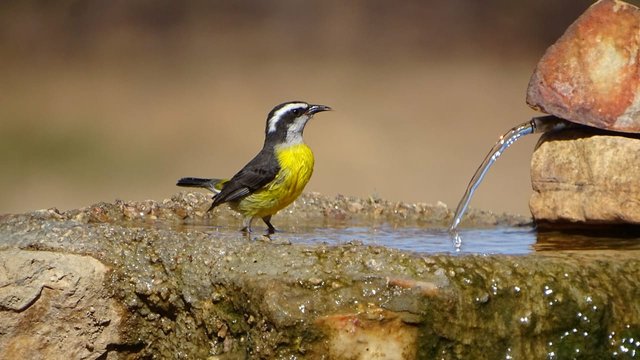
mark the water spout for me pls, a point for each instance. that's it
(535, 125)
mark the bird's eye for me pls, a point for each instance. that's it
(296, 112)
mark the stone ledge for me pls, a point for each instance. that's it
(586, 176)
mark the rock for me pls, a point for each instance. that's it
(586, 176)
(54, 306)
(373, 334)
(201, 290)
(590, 75)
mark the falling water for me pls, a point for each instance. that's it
(535, 125)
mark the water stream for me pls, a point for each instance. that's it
(535, 125)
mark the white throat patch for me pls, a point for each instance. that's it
(294, 132)
(273, 121)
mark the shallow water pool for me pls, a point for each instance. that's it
(497, 240)
(426, 240)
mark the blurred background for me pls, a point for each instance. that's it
(103, 100)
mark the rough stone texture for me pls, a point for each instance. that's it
(590, 75)
(371, 334)
(193, 291)
(586, 176)
(54, 306)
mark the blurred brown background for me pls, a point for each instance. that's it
(118, 99)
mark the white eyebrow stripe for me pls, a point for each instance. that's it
(273, 121)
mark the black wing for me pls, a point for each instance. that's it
(256, 174)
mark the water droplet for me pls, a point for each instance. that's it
(482, 298)
(494, 289)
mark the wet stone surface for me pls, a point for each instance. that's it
(190, 291)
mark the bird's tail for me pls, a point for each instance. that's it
(213, 185)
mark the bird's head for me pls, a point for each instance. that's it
(286, 121)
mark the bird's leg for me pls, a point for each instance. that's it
(267, 220)
(246, 224)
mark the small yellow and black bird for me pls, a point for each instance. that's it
(276, 176)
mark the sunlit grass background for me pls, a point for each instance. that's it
(104, 100)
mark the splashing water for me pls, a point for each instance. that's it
(535, 125)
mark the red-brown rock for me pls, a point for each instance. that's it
(591, 75)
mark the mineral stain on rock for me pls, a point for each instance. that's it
(182, 291)
(372, 334)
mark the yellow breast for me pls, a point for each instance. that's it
(296, 166)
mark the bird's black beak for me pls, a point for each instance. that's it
(317, 108)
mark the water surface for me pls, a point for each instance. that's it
(495, 240)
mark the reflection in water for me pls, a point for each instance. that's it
(587, 240)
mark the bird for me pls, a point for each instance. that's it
(276, 176)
